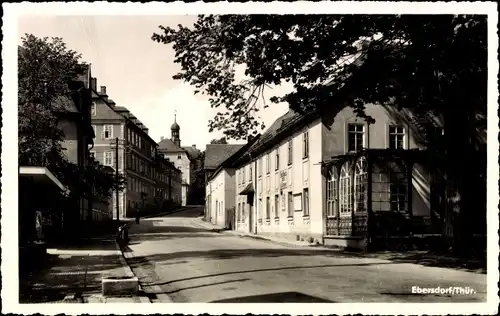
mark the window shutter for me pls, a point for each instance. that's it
(110, 131)
(103, 131)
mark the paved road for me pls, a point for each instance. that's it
(174, 256)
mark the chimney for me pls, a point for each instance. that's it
(103, 90)
(194, 146)
(162, 138)
(93, 84)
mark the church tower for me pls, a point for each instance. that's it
(175, 132)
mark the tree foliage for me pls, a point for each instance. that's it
(433, 58)
(221, 140)
(46, 67)
(433, 64)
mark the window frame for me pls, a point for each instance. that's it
(355, 133)
(305, 145)
(396, 134)
(290, 152)
(105, 126)
(305, 202)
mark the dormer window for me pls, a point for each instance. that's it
(93, 109)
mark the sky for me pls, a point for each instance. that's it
(137, 71)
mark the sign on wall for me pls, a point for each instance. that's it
(283, 179)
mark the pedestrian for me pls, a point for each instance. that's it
(137, 216)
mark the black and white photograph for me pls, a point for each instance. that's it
(265, 158)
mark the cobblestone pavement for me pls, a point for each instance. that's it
(177, 260)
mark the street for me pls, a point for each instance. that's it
(177, 259)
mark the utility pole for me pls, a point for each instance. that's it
(117, 177)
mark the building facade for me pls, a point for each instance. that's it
(219, 182)
(122, 143)
(335, 179)
(184, 158)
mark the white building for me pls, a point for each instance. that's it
(182, 157)
(335, 179)
(220, 183)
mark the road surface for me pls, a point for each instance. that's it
(176, 259)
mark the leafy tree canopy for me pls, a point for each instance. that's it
(46, 69)
(431, 64)
(221, 140)
(439, 62)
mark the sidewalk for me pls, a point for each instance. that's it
(417, 256)
(73, 273)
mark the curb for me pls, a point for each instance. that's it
(256, 237)
(157, 290)
(129, 273)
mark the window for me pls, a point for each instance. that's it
(243, 175)
(268, 209)
(345, 190)
(108, 158)
(179, 157)
(398, 197)
(396, 137)
(305, 148)
(360, 185)
(107, 131)
(276, 206)
(355, 137)
(250, 175)
(129, 134)
(239, 212)
(92, 154)
(305, 200)
(290, 152)
(259, 163)
(277, 164)
(268, 164)
(243, 211)
(332, 193)
(261, 211)
(93, 109)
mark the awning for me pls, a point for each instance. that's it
(247, 190)
(41, 175)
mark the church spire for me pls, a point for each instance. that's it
(175, 128)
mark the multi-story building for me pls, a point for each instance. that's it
(75, 123)
(336, 179)
(168, 183)
(122, 142)
(220, 182)
(184, 158)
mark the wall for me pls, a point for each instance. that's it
(70, 143)
(302, 173)
(221, 190)
(334, 134)
(184, 164)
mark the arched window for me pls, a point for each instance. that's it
(332, 197)
(360, 185)
(345, 190)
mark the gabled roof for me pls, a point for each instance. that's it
(216, 154)
(168, 145)
(229, 162)
(193, 152)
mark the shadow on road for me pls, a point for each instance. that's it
(205, 285)
(284, 297)
(267, 270)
